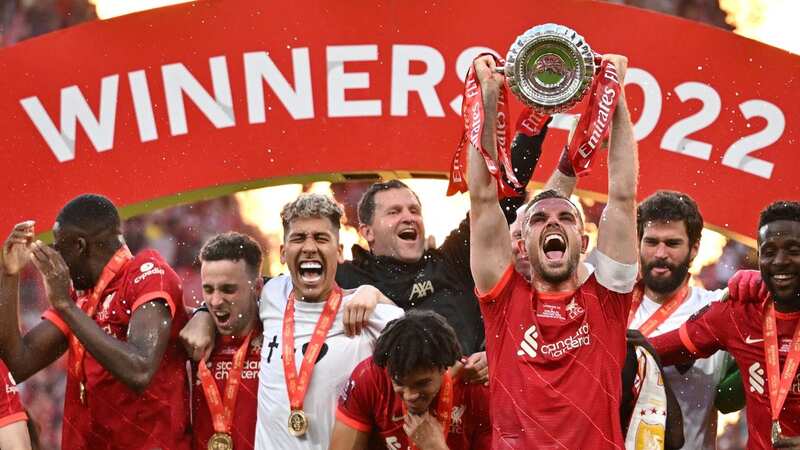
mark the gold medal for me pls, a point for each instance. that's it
(298, 423)
(776, 431)
(220, 441)
(82, 393)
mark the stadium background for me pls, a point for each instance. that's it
(179, 232)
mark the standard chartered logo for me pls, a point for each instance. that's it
(756, 378)
(529, 345)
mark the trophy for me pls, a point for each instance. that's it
(550, 68)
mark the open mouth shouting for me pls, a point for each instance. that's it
(408, 234)
(554, 247)
(222, 317)
(311, 271)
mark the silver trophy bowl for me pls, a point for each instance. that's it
(549, 68)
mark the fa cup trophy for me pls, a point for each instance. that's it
(550, 68)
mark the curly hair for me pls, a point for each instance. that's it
(420, 339)
(666, 206)
(311, 206)
(780, 210)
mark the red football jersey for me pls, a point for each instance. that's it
(370, 404)
(114, 415)
(243, 430)
(554, 364)
(10, 407)
(738, 328)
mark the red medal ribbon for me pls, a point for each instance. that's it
(297, 385)
(444, 407)
(222, 408)
(596, 121)
(779, 384)
(77, 350)
(473, 114)
(665, 310)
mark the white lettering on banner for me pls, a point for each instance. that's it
(339, 81)
(143, 106)
(737, 155)
(74, 108)
(424, 84)
(178, 81)
(99, 120)
(299, 102)
(651, 107)
(676, 138)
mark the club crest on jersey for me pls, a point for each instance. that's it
(574, 309)
(393, 444)
(102, 315)
(421, 289)
(456, 419)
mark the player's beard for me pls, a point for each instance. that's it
(561, 274)
(677, 275)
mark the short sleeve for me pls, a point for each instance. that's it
(10, 407)
(153, 279)
(501, 290)
(613, 275)
(358, 400)
(52, 316)
(701, 333)
(699, 337)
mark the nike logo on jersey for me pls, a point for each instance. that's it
(397, 418)
(749, 340)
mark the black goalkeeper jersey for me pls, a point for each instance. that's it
(440, 281)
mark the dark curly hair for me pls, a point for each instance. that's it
(666, 206)
(780, 210)
(420, 339)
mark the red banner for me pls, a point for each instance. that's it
(176, 101)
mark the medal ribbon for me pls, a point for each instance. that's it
(444, 407)
(530, 123)
(78, 351)
(779, 384)
(596, 121)
(222, 408)
(665, 310)
(297, 385)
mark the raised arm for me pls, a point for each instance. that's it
(490, 242)
(563, 179)
(616, 237)
(26, 355)
(133, 362)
